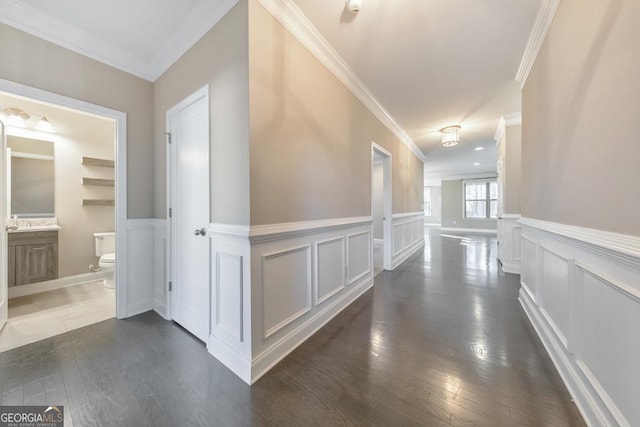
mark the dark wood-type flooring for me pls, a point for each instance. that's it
(439, 341)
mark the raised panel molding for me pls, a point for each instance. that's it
(141, 268)
(407, 236)
(229, 296)
(509, 236)
(330, 268)
(283, 298)
(586, 313)
(358, 255)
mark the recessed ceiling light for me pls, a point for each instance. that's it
(479, 148)
(476, 164)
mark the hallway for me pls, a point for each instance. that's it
(441, 340)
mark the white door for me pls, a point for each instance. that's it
(188, 125)
(4, 284)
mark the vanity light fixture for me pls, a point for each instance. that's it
(19, 118)
(450, 136)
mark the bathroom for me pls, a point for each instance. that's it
(61, 201)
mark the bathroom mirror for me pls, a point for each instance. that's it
(32, 177)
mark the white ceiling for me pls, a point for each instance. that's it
(429, 63)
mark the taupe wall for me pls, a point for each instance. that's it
(580, 124)
(77, 135)
(453, 208)
(511, 149)
(311, 137)
(219, 59)
(31, 61)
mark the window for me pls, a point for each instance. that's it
(480, 199)
(427, 201)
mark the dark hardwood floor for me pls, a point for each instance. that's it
(439, 341)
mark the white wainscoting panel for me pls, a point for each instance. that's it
(141, 277)
(509, 236)
(359, 255)
(587, 314)
(230, 340)
(286, 287)
(408, 236)
(161, 249)
(299, 282)
(330, 268)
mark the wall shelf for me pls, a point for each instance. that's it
(92, 161)
(100, 182)
(98, 202)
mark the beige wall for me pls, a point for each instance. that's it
(219, 59)
(311, 137)
(453, 208)
(510, 149)
(580, 125)
(31, 61)
(77, 135)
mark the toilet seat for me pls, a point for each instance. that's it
(108, 258)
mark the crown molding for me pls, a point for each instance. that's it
(502, 123)
(294, 21)
(199, 21)
(538, 33)
(513, 119)
(45, 26)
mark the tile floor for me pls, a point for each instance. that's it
(39, 316)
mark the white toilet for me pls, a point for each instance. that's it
(106, 250)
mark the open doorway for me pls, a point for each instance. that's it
(64, 214)
(381, 209)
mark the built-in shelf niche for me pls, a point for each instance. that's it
(99, 182)
(93, 161)
(98, 202)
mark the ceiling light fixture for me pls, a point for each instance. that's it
(353, 6)
(44, 125)
(476, 164)
(450, 136)
(479, 148)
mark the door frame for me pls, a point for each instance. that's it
(120, 147)
(387, 188)
(203, 92)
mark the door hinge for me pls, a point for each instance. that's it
(170, 213)
(168, 137)
(170, 286)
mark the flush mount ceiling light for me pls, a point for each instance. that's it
(479, 148)
(450, 136)
(353, 6)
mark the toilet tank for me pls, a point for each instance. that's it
(105, 243)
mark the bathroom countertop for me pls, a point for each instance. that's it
(51, 227)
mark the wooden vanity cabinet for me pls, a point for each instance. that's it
(33, 257)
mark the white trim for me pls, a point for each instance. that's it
(408, 215)
(513, 119)
(510, 216)
(500, 129)
(538, 33)
(228, 230)
(49, 285)
(262, 363)
(618, 243)
(268, 232)
(45, 26)
(470, 230)
(387, 210)
(292, 19)
(120, 118)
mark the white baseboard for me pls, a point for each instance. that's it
(50, 285)
(237, 362)
(580, 289)
(274, 354)
(470, 230)
(138, 308)
(587, 401)
(407, 252)
(510, 268)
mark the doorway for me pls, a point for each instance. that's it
(381, 208)
(188, 186)
(117, 182)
